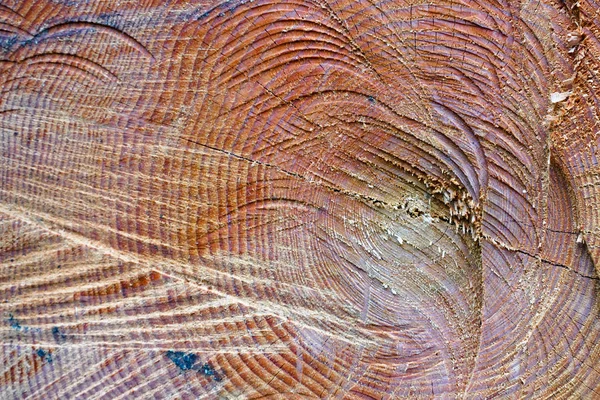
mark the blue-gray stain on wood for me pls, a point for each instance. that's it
(187, 362)
(14, 323)
(182, 360)
(44, 355)
(58, 335)
(208, 370)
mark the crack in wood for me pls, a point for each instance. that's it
(537, 257)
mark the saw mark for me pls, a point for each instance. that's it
(76, 28)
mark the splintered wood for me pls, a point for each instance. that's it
(299, 199)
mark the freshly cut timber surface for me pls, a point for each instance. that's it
(299, 199)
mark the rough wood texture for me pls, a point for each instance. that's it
(291, 199)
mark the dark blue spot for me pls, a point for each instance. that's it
(208, 370)
(371, 99)
(14, 323)
(44, 354)
(204, 15)
(184, 361)
(59, 336)
(7, 42)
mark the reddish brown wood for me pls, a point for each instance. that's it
(306, 199)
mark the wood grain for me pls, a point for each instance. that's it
(303, 199)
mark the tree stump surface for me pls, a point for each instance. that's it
(299, 199)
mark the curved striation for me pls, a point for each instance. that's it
(306, 199)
